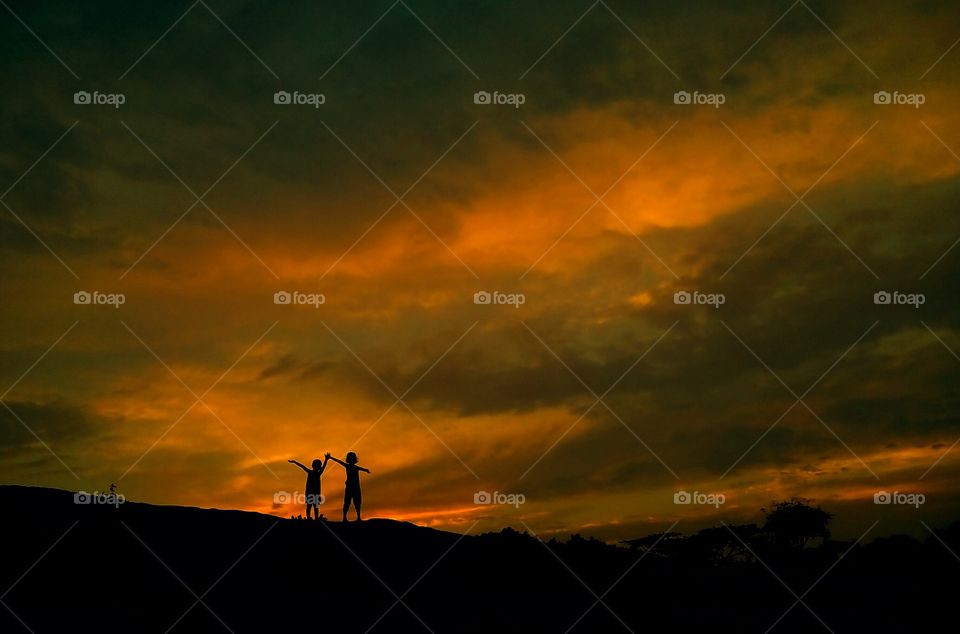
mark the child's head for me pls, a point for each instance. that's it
(316, 464)
(352, 458)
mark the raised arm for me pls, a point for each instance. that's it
(299, 465)
(338, 461)
(365, 470)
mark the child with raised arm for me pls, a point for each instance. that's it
(312, 488)
(352, 491)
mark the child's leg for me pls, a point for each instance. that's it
(346, 503)
(357, 500)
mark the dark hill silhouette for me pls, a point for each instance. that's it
(141, 567)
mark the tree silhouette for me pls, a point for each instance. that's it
(722, 544)
(793, 523)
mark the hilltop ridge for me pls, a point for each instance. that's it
(142, 567)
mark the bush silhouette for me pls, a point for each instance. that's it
(792, 524)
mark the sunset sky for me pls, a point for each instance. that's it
(398, 198)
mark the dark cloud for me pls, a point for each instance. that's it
(66, 429)
(292, 368)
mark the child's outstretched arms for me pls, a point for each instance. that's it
(344, 464)
(299, 465)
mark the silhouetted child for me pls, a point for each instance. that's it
(312, 488)
(352, 491)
